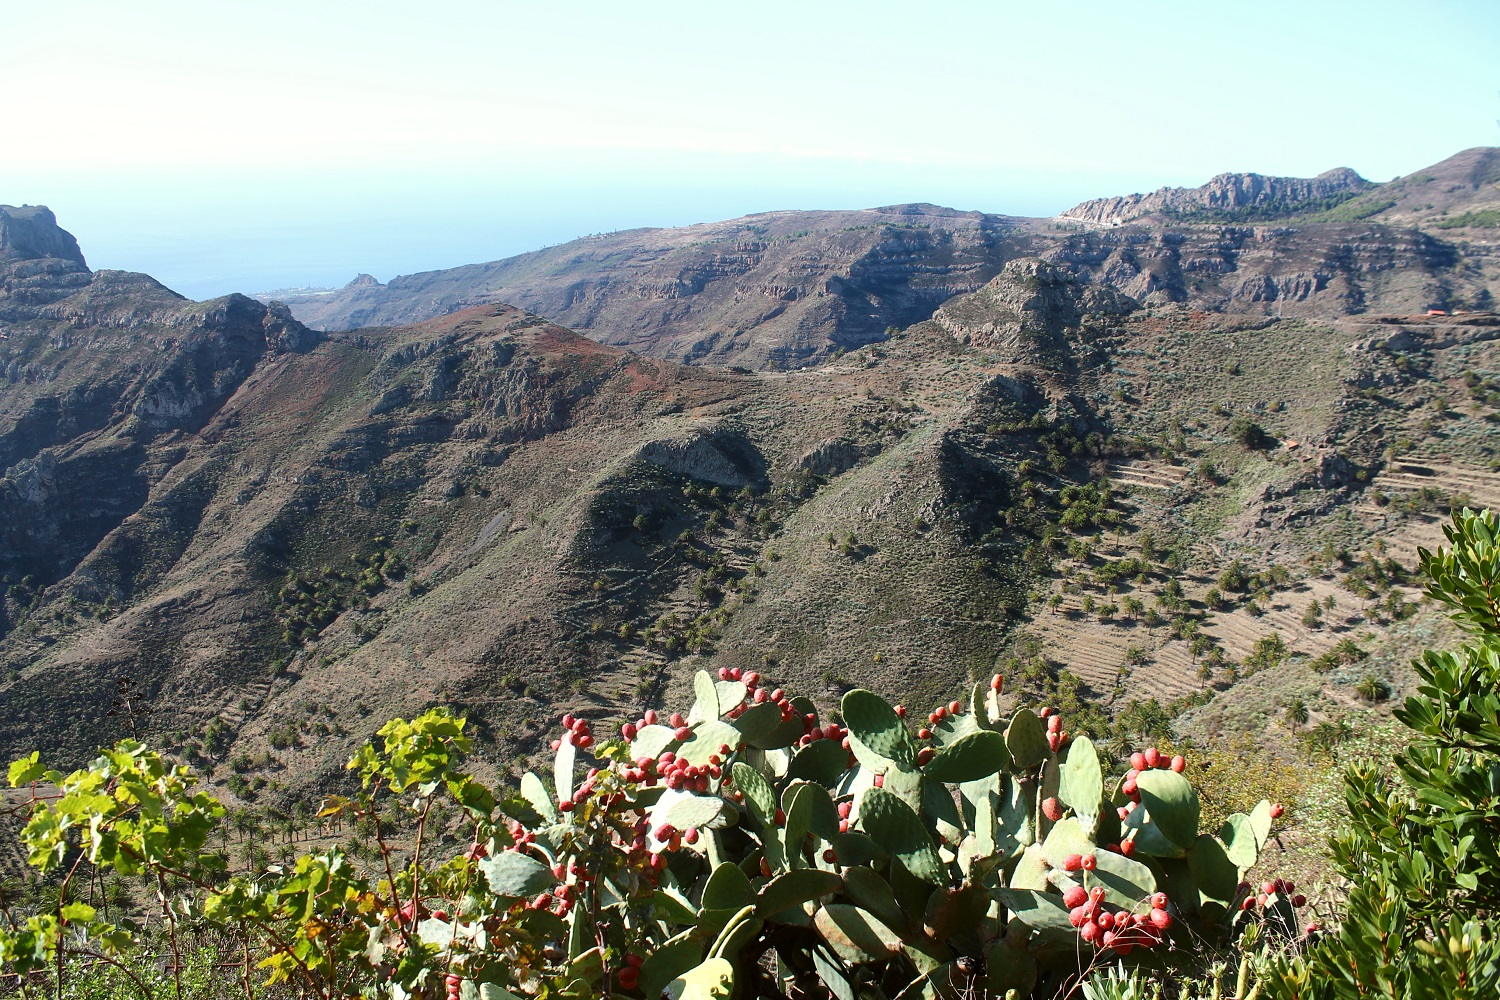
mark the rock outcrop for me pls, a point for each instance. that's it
(31, 232)
(1226, 197)
(1030, 311)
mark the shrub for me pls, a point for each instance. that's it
(983, 852)
(1422, 853)
(1249, 434)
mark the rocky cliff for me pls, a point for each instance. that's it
(31, 232)
(103, 377)
(1230, 197)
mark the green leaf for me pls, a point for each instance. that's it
(705, 699)
(1043, 912)
(738, 931)
(1009, 966)
(822, 761)
(650, 741)
(1260, 824)
(706, 740)
(1214, 871)
(1015, 826)
(1148, 837)
(867, 889)
(969, 758)
(1081, 787)
(1066, 837)
(893, 825)
(876, 724)
(729, 693)
(1026, 739)
(511, 873)
(78, 912)
(762, 727)
(1127, 880)
(670, 905)
(670, 961)
(686, 811)
(855, 934)
(794, 888)
(712, 980)
(728, 887)
(26, 770)
(830, 973)
(809, 809)
(759, 795)
(855, 848)
(1031, 870)
(535, 793)
(1241, 845)
(562, 770)
(1171, 804)
(952, 728)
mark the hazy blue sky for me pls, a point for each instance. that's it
(225, 145)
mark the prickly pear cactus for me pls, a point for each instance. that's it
(972, 854)
(749, 848)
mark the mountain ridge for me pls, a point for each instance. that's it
(1228, 193)
(780, 290)
(277, 538)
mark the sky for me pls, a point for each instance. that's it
(222, 145)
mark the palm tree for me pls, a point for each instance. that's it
(1296, 712)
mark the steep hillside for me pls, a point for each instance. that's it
(1461, 194)
(231, 533)
(786, 289)
(767, 291)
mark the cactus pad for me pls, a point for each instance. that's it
(876, 724)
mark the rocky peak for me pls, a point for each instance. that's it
(1227, 195)
(31, 232)
(1030, 310)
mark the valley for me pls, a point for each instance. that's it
(890, 449)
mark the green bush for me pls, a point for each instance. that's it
(750, 848)
(1421, 851)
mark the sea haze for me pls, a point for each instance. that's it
(206, 234)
